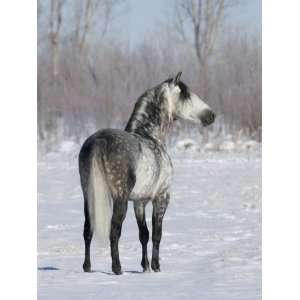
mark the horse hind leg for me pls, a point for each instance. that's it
(118, 216)
(139, 209)
(160, 205)
(122, 185)
(88, 235)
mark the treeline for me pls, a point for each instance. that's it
(86, 82)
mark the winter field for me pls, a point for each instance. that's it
(211, 244)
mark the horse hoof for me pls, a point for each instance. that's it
(119, 272)
(155, 266)
(146, 270)
(86, 268)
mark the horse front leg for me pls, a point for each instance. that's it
(119, 213)
(160, 205)
(139, 209)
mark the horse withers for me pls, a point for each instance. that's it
(116, 166)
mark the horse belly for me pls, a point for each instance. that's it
(145, 181)
(152, 176)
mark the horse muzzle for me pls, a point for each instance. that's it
(207, 117)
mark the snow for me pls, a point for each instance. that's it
(227, 146)
(211, 244)
(187, 144)
(191, 145)
(68, 146)
(250, 145)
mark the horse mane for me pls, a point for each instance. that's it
(150, 117)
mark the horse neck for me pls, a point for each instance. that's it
(149, 118)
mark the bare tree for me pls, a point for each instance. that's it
(54, 33)
(86, 11)
(83, 24)
(205, 18)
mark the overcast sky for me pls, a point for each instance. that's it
(143, 16)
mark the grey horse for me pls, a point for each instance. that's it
(116, 166)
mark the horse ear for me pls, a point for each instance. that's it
(177, 78)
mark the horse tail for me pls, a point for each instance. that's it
(100, 202)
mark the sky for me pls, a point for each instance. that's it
(144, 15)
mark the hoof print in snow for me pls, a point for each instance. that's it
(249, 206)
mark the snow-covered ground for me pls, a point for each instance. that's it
(211, 245)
